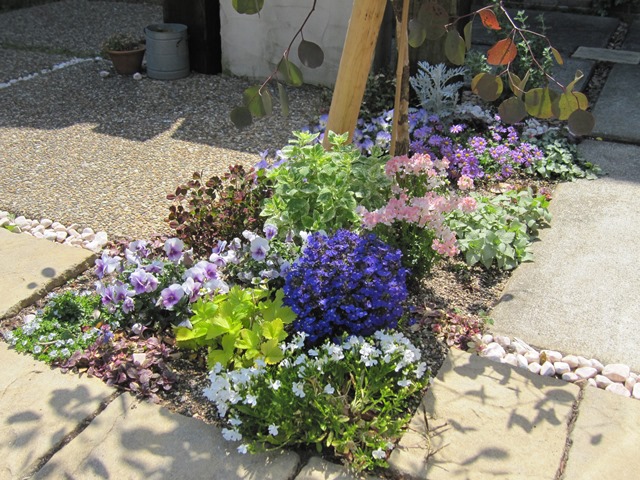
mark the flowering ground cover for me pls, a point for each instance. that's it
(307, 302)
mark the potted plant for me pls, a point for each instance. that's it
(126, 52)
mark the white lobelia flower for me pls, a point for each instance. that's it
(328, 389)
(231, 435)
(273, 430)
(242, 449)
(378, 454)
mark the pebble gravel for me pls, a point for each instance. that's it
(104, 151)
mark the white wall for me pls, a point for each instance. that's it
(252, 44)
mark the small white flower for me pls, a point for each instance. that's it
(298, 389)
(273, 430)
(231, 435)
(421, 369)
(275, 385)
(251, 400)
(328, 389)
(404, 383)
(378, 454)
(313, 352)
(37, 349)
(242, 449)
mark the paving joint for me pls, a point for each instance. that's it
(42, 461)
(571, 423)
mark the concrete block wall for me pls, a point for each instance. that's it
(252, 44)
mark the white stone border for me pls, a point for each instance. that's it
(615, 377)
(45, 71)
(56, 232)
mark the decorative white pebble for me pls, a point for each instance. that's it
(494, 352)
(619, 389)
(602, 381)
(547, 369)
(636, 391)
(487, 339)
(522, 361)
(629, 383)
(592, 382)
(534, 368)
(137, 76)
(50, 235)
(561, 368)
(571, 360)
(584, 362)
(501, 340)
(597, 365)
(532, 357)
(586, 372)
(550, 356)
(616, 372)
(510, 359)
(570, 377)
(45, 222)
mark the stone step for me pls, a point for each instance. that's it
(608, 55)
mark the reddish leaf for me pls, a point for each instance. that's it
(502, 53)
(489, 19)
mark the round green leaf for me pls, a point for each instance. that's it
(539, 102)
(248, 7)
(417, 33)
(434, 18)
(569, 102)
(241, 117)
(581, 122)
(468, 28)
(310, 54)
(291, 74)
(454, 47)
(512, 110)
(258, 102)
(487, 86)
(284, 99)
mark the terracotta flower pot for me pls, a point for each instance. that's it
(127, 62)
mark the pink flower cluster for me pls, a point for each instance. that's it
(425, 211)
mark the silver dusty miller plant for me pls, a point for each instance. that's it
(432, 84)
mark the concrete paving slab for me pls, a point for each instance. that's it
(39, 408)
(566, 31)
(319, 469)
(580, 295)
(632, 41)
(605, 438)
(31, 267)
(131, 440)
(20, 63)
(608, 55)
(617, 110)
(484, 420)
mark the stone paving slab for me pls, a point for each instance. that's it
(632, 41)
(31, 267)
(608, 55)
(39, 406)
(20, 63)
(618, 115)
(319, 469)
(606, 439)
(580, 295)
(139, 440)
(484, 420)
(566, 31)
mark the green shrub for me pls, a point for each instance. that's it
(315, 189)
(501, 229)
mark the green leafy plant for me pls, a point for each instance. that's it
(348, 397)
(64, 326)
(317, 189)
(238, 327)
(501, 229)
(219, 208)
(122, 42)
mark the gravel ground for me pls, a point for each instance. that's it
(104, 152)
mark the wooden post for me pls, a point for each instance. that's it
(400, 128)
(355, 64)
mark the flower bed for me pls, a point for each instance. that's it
(302, 288)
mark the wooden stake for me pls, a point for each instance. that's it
(355, 64)
(400, 128)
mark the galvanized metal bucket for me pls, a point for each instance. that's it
(167, 51)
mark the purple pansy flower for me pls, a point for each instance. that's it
(259, 248)
(171, 295)
(173, 247)
(270, 231)
(106, 264)
(143, 282)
